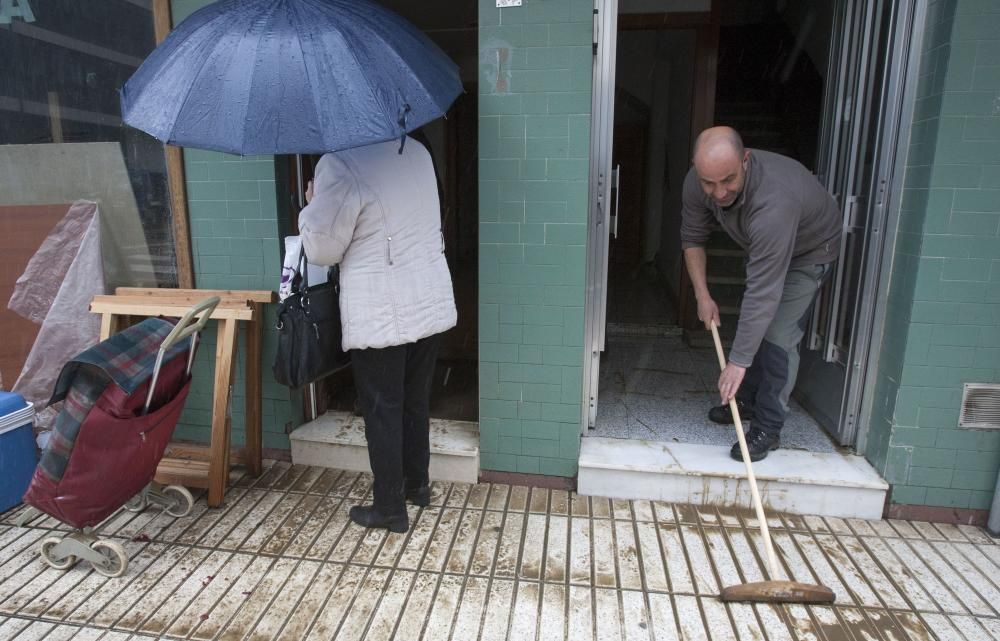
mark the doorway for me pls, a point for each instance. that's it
(453, 145)
(783, 75)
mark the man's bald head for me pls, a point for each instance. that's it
(716, 141)
(720, 161)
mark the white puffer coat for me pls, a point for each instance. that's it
(375, 212)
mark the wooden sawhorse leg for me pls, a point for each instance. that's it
(225, 353)
(251, 450)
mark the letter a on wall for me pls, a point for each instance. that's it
(15, 9)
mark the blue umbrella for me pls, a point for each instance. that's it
(289, 76)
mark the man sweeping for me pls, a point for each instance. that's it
(790, 227)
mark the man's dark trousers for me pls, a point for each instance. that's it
(769, 381)
(393, 385)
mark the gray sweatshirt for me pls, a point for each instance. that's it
(784, 218)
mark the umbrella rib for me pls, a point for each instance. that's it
(371, 89)
(389, 46)
(256, 51)
(316, 106)
(201, 68)
(357, 63)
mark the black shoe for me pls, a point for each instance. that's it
(419, 496)
(370, 516)
(724, 416)
(759, 443)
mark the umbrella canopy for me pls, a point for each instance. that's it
(289, 76)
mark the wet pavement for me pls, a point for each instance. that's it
(280, 560)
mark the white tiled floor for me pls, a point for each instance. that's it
(660, 389)
(280, 560)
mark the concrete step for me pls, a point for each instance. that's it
(791, 481)
(337, 440)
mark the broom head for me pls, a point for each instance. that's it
(778, 592)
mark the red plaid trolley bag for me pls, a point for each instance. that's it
(111, 433)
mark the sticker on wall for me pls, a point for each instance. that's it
(495, 62)
(508, 3)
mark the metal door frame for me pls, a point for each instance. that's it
(910, 17)
(599, 202)
(879, 194)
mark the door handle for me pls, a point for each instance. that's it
(616, 186)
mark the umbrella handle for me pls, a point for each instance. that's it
(402, 126)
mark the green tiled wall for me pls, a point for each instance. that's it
(535, 65)
(232, 207)
(943, 325)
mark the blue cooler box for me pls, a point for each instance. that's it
(17, 448)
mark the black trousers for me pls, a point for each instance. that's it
(394, 386)
(771, 377)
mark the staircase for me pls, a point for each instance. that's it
(760, 128)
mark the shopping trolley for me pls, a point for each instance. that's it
(121, 407)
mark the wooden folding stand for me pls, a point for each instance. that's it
(196, 465)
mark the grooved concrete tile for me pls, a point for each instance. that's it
(471, 609)
(281, 560)
(581, 569)
(498, 611)
(312, 603)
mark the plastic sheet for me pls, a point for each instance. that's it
(55, 290)
(291, 268)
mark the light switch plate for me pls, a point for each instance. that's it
(508, 3)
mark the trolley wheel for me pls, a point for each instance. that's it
(46, 551)
(137, 503)
(115, 560)
(181, 500)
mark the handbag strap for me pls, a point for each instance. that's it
(303, 269)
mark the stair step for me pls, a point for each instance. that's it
(726, 280)
(337, 440)
(719, 251)
(642, 329)
(792, 481)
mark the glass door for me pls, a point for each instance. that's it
(860, 128)
(599, 221)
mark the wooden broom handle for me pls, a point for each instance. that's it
(772, 562)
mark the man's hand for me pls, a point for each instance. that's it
(309, 192)
(729, 382)
(708, 311)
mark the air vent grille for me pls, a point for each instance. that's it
(980, 406)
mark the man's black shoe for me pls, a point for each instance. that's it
(420, 496)
(724, 416)
(370, 516)
(759, 443)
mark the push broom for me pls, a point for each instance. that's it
(773, 591)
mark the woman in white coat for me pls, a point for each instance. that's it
(375, 212)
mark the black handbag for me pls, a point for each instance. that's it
(309, 333)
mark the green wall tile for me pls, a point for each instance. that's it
(527, 464)
(981, 499)
(945, 497)
(930, 477)
(973, 480)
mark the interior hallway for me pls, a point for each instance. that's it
(654, 386)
